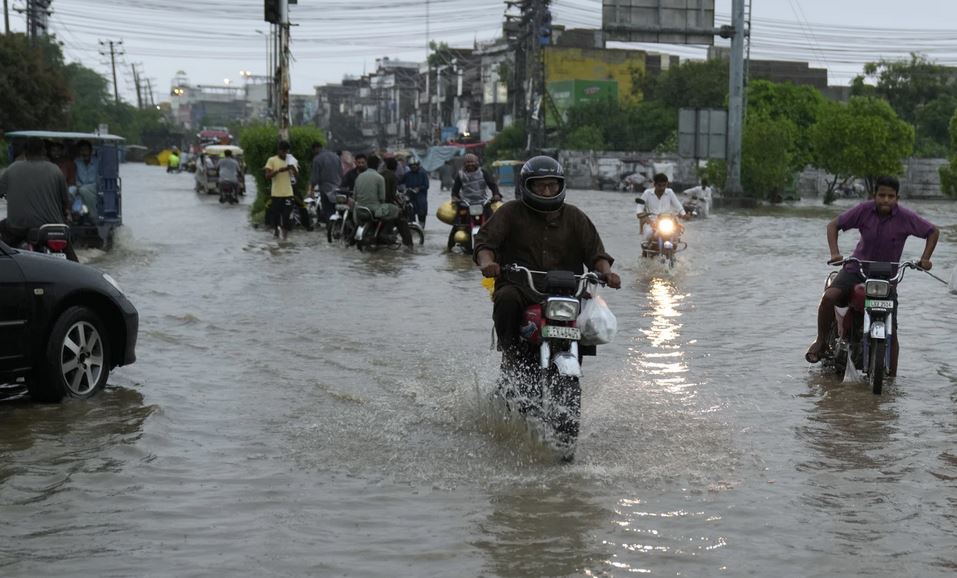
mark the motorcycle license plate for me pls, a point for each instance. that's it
(879, 304)
(561, 332)
(57, 255)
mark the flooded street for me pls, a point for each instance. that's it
(309, 410)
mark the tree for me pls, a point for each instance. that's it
(508, 144)
(91, 97)
(948, 172)
(694, 84)
(920, 91)
(863, 138)
(767, 155)
(585, 138)
(33, 92)
(798, 104)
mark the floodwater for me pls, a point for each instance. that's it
(307, 410)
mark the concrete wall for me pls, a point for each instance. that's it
(589, 169)
(920, 180)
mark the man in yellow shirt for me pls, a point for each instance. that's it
(281, 203)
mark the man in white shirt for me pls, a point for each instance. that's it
(658, 200)
(703, 193)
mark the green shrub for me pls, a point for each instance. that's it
(507, 145)
(585, 138)
(259, 143)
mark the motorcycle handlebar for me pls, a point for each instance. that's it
(583, 280)
(901, 266)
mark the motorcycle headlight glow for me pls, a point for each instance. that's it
(561, 309)
(666, 226)
(877, 288)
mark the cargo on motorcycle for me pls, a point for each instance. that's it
(475, 196)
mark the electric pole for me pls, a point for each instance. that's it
(736, 98)
(136, 81)
(37, 12)
(6, 17)
(284, 69)
(114, 48)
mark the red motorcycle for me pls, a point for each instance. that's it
(544, 383)
(863, 331)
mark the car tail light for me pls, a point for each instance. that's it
(56, 245)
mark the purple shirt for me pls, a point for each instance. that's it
(882, 237)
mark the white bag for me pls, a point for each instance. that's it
(597, 323)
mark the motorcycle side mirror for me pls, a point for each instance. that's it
(639, 200)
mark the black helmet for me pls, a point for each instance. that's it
(542, 167)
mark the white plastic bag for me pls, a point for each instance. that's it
(597, 323)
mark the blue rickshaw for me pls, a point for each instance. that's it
(94, 226)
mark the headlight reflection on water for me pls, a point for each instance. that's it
(663, 363)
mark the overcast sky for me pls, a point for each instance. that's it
(212, 40)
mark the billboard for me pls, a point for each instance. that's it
(662, 21)
(567, 93)
(702, 133)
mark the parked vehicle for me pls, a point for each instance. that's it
(94, 226)
(545, 387)
(863, 331)
(63, 326)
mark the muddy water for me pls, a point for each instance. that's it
(306, 410)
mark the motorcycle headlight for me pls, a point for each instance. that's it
(877, 288)
(666, 226)
(561, 309)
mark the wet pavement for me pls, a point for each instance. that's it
(302, 409)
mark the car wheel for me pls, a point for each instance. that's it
(77, 359)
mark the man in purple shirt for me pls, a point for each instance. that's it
(884, 226)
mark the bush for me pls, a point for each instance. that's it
(585, 138)
(507, 145)
(259, 143)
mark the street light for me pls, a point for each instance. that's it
(226, 81)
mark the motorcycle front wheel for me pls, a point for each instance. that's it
(564, 412)
(418, 235)
(876, 366)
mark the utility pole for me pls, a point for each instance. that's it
(6, 17)
(149, 92)
(284, 69)
(136, 81)
(114, 48)
(736, 97)
(37, 12)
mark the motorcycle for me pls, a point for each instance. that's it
(372, 233)
(692, 208)
(863, 331)
(341, 227)
(469, 218)
(51, 239)
(544, 382)
(665, 240)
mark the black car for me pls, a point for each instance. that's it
(63, 325)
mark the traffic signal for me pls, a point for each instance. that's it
(272, 11)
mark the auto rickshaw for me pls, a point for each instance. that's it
(97, 208)
(207, 180)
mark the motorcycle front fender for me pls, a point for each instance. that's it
(567, 364)
(878, 330)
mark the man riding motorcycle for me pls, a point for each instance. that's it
(656, 201)
(541, 232)
(471, 184)
(884, 226)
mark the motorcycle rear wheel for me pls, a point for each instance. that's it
(417, 233)
(334, 231)
(876, 366)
